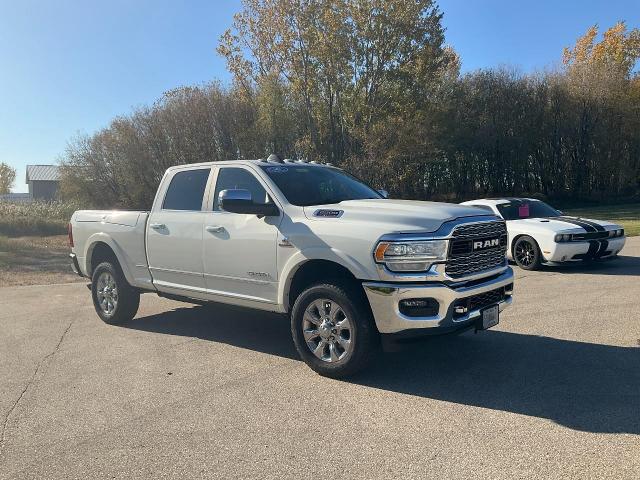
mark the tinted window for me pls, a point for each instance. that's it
(186, 190)
(306, 185)
(518, 209)
(238, 178)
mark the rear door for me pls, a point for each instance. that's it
(240, 249)
(174, 232)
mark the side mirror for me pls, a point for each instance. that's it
(384, 193)
(240, 201)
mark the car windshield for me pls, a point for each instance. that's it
(519, 209)
(305, 185)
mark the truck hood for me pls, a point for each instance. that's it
(393, 215)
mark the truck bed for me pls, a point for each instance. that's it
(123, 231)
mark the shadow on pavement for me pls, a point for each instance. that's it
(623, 265)
(583, 386)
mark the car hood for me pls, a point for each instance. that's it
(563, 224)
(394, 215)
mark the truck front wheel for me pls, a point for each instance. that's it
(333, 329)
(114, 299)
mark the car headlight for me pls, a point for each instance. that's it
(562, 237)
(410, 256)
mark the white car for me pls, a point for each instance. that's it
(538, 233)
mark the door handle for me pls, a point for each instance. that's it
(158, 226)
(214, 228)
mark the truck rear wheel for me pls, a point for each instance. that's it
(114, 299)
(333, 329)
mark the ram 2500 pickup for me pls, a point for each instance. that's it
(349, 266)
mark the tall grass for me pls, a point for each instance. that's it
(35, 218)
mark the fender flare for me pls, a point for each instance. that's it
(121, 256)
(301, 257)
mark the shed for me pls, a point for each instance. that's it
(43, 181)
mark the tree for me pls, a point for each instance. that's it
(7, 177)
(618, 50)
(352, 67)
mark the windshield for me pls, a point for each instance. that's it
(519, 209)
(306, 185)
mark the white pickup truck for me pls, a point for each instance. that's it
(351, 268)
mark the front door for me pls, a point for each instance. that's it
(240, 250)
(174, 233)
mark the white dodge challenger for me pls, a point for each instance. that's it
(538, 233)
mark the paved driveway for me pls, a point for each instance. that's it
(217, 392)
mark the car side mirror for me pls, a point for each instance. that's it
(240, 201)
(384, 193)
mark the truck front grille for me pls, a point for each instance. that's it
(464, 260)
(477, 302)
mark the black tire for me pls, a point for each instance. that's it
(127, 298)
(363, 335)
(526, 253)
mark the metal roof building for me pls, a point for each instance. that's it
(43, 181)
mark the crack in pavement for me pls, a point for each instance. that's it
(30, 382)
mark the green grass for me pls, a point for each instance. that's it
(626, 215)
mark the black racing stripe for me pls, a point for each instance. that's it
(603, 248)
(594, 246)
(587, 226)
(595, 225)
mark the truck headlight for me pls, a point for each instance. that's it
(411, 256)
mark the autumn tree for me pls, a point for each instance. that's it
(351, 66)
(7, 177)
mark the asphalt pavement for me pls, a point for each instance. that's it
(218, 392)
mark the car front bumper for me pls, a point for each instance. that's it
(385, 299)
(587, 250)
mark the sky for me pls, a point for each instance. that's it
(70, 66)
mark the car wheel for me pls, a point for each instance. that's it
(114, 299)
(333, 329)
(526, 253)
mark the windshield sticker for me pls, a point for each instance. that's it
(277, 169)
(523, 210)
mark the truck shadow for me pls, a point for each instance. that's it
(583, 386)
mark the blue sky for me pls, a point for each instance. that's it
(70, 66)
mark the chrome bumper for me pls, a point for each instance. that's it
(384, 299)
(74, 264)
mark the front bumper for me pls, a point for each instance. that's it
(587, 250)
(385, 298)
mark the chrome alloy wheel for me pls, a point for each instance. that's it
(327, 331)
(107, 293)
(525, 253)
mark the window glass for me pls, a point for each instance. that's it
(306, 185)
(230, 178)
(519, 209)
(186, 190)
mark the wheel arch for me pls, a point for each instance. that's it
(313, 271)
(102, 248)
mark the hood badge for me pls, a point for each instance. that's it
(328, 213)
